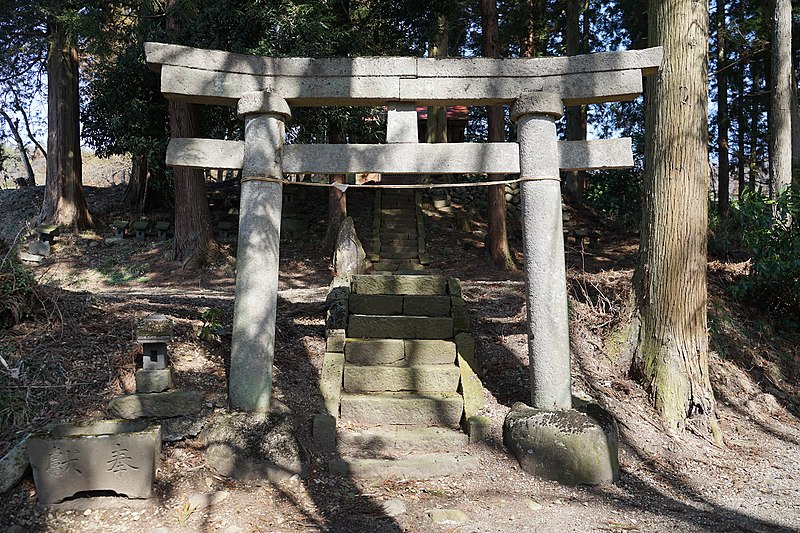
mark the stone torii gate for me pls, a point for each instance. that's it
(265, 88)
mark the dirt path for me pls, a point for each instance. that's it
(84, 349)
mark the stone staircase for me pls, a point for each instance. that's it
(398, 232)
(403, 385)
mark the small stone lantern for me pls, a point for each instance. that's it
(155, 374)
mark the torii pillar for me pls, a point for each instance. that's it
(254, 311)
(549, 438)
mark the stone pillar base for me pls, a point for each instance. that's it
(572, 446)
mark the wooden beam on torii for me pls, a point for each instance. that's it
(265, 88)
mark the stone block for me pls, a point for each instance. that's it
(349, 257)
(330, 381)
(172, 54)
(429, 409)
(376, 304)
(155, 405)
(39, 248)
(374, 352)
(334, 340)
(226, 88)
(460, 318)
(400, 327)
(574, 89)
(572, 446)
(391, 437)
(400, 255)
(479, 428)
(429, 466)
(454, 286)
(429, 352)
(428, 378)
(153, 380)
(426, 305)
(414, 285)
(14, 465)
(30, 258)
(116, 455)
(336, 316)
(253, 446)
(323, 431)
(401, 123)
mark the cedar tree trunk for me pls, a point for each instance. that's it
(576, 115)
(670, 326)
(497, 238)
(780, 137)
(723, 121)
(64, 202)
(13, 125)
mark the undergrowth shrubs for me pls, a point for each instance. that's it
(768, 232)
(18, 297)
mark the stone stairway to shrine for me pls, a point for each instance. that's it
(402, 387)
(398, 232)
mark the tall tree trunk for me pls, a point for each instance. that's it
(670, 327)
(13, 125)
(139, 195)
(437, 115)
(795, 133)
(740, 124)
(337, 200)
(64, 202)
(755, 116)
(780, 131)
(193, 243)
(723, 121)
(576, 115)
(534, 38)
(497, 238)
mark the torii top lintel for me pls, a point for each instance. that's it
(215, 77)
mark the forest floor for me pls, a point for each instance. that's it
(77, 352)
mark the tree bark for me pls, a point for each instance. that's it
(575, 115)
(755, 113)
(64, 202)
(723, 120)
(497, 238)
(13, 125)
(670, 325)
(780, 137)
(740, 121)
(437, 115)
(795, 133)
(532, 40)
(139, 196)
(337, 200)
(193, 243)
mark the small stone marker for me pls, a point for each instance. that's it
(46, 232)
(30, 258)
(115, 455)
(39, 248)
(153, 334)
(224, 227)
(140, 227)
(162, 228)
(119, 228)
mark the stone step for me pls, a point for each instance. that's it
(413, 467)
(402, 238)
(399, 255)
(384, 266)
(395, 211)
(366, 442)
(399, 227)
(400, 247)
(399, 352)
(426, 305)
(414, 285)
(441, 409)
(400, 327)
(423, 378)
(395, 304)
